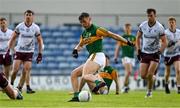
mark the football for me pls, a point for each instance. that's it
(84, 96)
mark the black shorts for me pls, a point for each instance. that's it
(147, 58)
(23, 56)
(5, 60)
(171, 60)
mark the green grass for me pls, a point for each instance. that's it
(58, 99)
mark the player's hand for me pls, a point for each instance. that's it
(7, 53)
(75, 53)
(130, 43)
(139, 55)
(39, 58)
(116, 61)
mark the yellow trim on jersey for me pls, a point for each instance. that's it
(102, 32)
(89, 40)
(105, 75)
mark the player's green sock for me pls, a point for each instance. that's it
(97, 82)
(76, 94)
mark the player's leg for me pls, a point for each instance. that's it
(7, 70)
(166, 77)
(75, 74)
(7, 65)
(144, 70)
(8, 89)
(15, 69)
(177, 69)
(22, 80)
(28, 79)
(151, 70)
(27, 69)
(128, 70)
(89, 69)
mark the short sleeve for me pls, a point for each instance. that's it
(162, 31)
(102, 32)
(17, 29)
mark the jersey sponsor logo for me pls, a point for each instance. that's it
(26, 36)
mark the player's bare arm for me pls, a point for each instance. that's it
(138, 41)
(40, 44)
(12, 40)
(163, 43)
(77, 48)
(105, 33)
(116, 53)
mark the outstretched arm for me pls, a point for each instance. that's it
(106, 33)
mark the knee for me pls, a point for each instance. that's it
(73, 75)
(26, 69)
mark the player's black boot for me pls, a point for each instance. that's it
(167, 89)
(74, 99)
(19, 96)
(29, 90)
(178, 90)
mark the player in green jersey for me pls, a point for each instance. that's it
(92, 37)
(128, 60)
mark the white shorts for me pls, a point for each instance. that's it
(98, 58)
(126, 60)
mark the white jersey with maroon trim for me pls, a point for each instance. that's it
(151, 36)
(4, 39)
(27, 37)
(172, 37)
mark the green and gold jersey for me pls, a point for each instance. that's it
(108, 74)
(92, 38)
(127, 51)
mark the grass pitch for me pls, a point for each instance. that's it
(58, 99)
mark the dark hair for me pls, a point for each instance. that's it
(151, 10)
(127, 24)
(107, 56)
(3, 19)
(83, 15)
(29, 11)
(172, 19)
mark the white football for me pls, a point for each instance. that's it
(84, 96)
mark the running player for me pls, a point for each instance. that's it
(92, 37)
(27, 32)
(172, 53)
(5, 58)
(128, 60)
(151, 32)
(8, 89)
